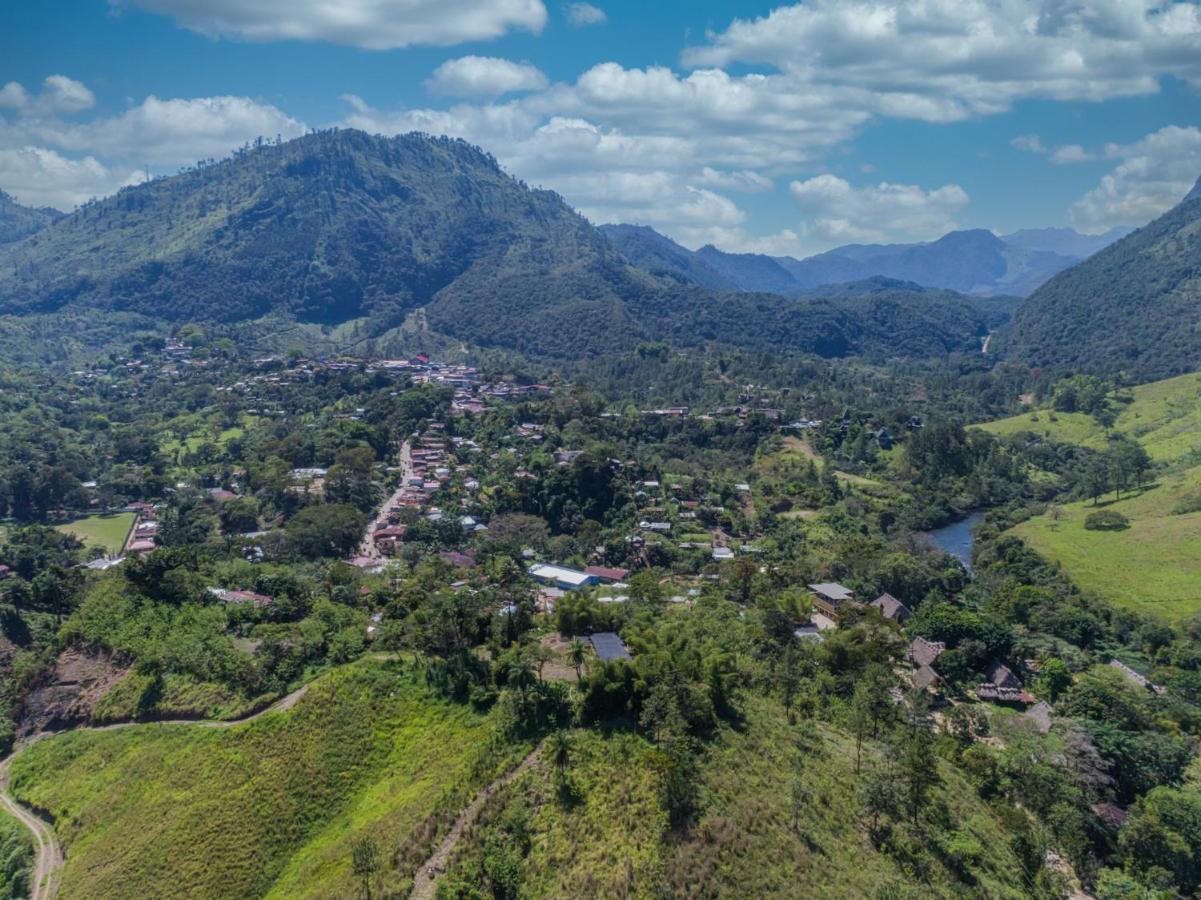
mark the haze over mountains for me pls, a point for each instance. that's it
(359, 235)
(973, 262)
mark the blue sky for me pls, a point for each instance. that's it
(756, 126)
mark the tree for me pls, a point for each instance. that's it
(1053, 678)
(576, 653)
(326, 529)
(918, 765)
(880, 799)
(365, 862)
(869, 703)
(559, 747)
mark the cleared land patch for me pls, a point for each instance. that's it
(108, 530)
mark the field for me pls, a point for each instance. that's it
(108, 531)
(615, 839)
(1164, 416)
(1153, 566)
(269, 808)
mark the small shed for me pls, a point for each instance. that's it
(609, 646)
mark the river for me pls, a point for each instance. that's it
(956, 539)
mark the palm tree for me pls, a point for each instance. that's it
(576, 655)
(559, 745)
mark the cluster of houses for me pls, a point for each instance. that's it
(143, 537)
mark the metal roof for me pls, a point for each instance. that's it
(609, 646)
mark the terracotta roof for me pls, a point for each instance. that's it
(604, 572)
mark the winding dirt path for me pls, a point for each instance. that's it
(428, 874)
(43, 881)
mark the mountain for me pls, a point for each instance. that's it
(1134, 307)
(359, 236)
(972, 262)
(17, 221)
(1064, 241)
(749, 271)
(652, 252)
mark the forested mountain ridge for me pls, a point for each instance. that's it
(342, 227)
(972, 262)
(1132, 308)
(17, 221)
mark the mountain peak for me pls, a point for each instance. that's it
(1194, 194)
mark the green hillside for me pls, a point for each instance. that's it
(1133, 307)
(1154, 565)
(747, 840)
(344, 231)
(269, 808)
(1163, 416)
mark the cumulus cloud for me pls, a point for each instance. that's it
(838, 212)
(582, 14)
(1065, 155)
(371, 24)
(63, 94)
(1071, 153)
(53, 157)
(942, 60)
(37, 176)
(1153, 175)
(484, 76)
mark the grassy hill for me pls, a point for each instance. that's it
(1163, 416)
(1155, 564)
(269, 808)
(616, 840)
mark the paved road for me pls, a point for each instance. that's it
(367, 546)
(43, 884)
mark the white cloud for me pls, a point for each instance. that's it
(371, 24)
(582, 14)
(839, 213)
(1031, 143)
(485, 76)
(744, 180)
(1153, 176)
(63, 94)
(96, 156)
(942, 60)
(37, 176)
(1071, 153)
(13, 96)
(1065, 155)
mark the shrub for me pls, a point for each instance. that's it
(1106, 520)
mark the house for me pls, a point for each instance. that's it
(832, 598)
(925, 677)
(609, 646)
(561, 577)
(808, 632)
(891, 608)
(606, 574)
(103, 564)
(925, 653)
(221, 495)
(1002, 686)
(141, 546)
(258, 600)
(389, 536)
(458, 560)
(721, 554)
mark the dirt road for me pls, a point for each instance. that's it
(425, 883)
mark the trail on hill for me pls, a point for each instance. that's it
(43, 881)
(425, 883)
